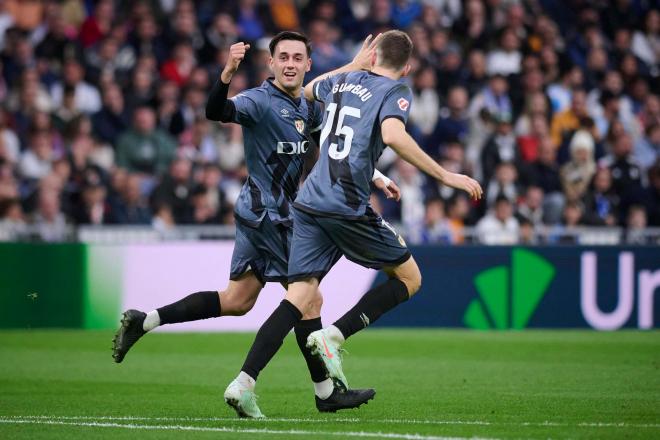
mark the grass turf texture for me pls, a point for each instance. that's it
(430, 383)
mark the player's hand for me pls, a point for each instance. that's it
(391, 190)
(466, 183)
(236, 55)
(362, 60)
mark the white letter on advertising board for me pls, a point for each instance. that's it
(589, 295)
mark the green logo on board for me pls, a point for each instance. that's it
(508, 297)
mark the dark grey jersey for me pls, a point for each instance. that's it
(356, 104)
(276, 137)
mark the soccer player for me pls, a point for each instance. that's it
(365, 111)
(277, 122)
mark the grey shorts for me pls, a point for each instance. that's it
(319, 241)
(263, 250)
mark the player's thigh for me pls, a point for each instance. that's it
(272, 243)
(370, 242)
(408, 272)
(313, 253)
(246, 257)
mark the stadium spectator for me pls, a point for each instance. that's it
(501, 147)
(86, 96)
(113, 118)
(647, 148)
(174, 190)
(601, 202)
(97, 26)
(636, 222)
(565, 123)
(36, 162)
(145, 148)
(436, 228)
(576, 175)
(499, 226)
(626, 173)
(424, 114)
(49, 220)
(646, 41)
(453, 123)
(530, 208)
(180, 66)
(544, 172)
(131, 207)
(503, 183)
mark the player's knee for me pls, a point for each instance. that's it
(315, 305)
(413, 281)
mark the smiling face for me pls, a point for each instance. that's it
(289, 64)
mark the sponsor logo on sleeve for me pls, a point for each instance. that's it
(403, 104)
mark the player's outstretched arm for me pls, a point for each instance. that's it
(217, 106)
(362, 61)
(394, 134)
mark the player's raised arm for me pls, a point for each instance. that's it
(218, 108)
(394, 134)
(363, 60)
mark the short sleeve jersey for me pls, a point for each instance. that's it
(356, 104)
(276, 131)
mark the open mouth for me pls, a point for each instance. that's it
(290, 74)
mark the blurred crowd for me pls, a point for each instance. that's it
(553, 105)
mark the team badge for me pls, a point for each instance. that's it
(403, 104)
(300, 125)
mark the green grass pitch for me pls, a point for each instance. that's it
(430, 384)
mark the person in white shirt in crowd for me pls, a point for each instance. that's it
(87, 97)
(499, 226)
(507, 58)
(36, 162)
(424, 114)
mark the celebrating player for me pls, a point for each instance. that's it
(277, 122)
(365, 111)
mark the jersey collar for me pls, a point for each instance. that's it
(294, 101)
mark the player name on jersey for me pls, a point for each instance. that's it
(362, 92)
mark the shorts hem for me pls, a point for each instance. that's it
(304, 276)
(235, 276)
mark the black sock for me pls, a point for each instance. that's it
(270, 337)
(199, 305)
(315, 365)
(372, 305)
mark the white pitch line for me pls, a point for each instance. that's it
(348, 420)
(391, 435)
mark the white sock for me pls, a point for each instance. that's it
(324, 389)
(246, 380)
(335, 334)
(151, 321)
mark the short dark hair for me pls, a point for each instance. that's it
(289, 35)
(394, 49)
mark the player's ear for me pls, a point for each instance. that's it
(309, 64)
(270, 64)
(406, 70)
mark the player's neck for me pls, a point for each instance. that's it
(295, 93)
(389, 73)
